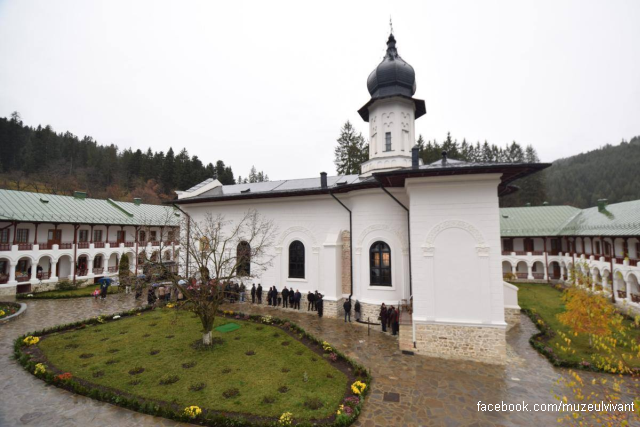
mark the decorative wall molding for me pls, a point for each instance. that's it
(296, 229)
(428, 248)
(384, 227)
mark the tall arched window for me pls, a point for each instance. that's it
(296, 260)
(380, 264)
(243, 256)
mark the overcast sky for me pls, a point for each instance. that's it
(270, 83)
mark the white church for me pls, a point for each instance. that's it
(426, 237)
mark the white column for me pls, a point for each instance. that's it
(628, 286)
(34, 271)
(12, 272)
(90, 266)
(54, 270)
(530, 272)
(546, 271)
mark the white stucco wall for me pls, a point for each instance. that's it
(456, 253)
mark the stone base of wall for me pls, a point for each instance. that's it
(331, 309)
(368, 312)
(43, 287)
(474, 343)
(8, 293)
(512, 317)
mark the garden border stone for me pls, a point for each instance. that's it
(20, 312)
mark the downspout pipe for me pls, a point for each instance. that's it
(350, 242)
(415, 165)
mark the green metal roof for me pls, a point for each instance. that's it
(535, 220)
(620, 219)
(38, 207)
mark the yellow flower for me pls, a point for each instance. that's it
(31, 340)
(2, 313)
(170, 305)
(286, 419)
(192, 411)
(358, 387)
(40, 369)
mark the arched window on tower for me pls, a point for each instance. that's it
(243, 257)
(296, 260)
(380, 264)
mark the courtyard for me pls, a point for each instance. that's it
(406, 390)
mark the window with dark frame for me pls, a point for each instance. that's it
(83, 235)
(598, 248)
(4, 236)
(296, 260)
(243, 256)
(22, 235)
(154, 235)
(387, 141)
(120, 236)
(97, 235)
(380, 264)
(142, 236)
(507, 245)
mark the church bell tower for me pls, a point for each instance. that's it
(391, 113)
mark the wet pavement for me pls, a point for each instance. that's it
(432, 392)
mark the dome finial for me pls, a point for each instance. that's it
(390, 26)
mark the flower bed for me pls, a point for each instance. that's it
(8, 309)
(358, 377)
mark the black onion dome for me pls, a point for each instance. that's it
(394, 76)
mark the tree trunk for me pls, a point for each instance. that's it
(206, 338)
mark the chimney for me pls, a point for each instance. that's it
(528, 205)
(323, 179)
(444, 158)
(415, 161)
(80, 195)
(137, 201)
(602, 205)
(545, 203)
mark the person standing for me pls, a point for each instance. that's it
(357, 309)
(310, 302)
(285, 297)
(319, 305)
(253, 294)
(347, 310)
(243, 291)
(384, 314)
(395, 321)
(276, 298)
(269, 295)
(259, 293)
(317, 296)
(291, 298)
(151, 296)
(296, 299)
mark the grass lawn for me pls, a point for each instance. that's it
(547, 302)
(74, 293)
(160, 343)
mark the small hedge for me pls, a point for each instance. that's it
(540, 340)
(172, 411)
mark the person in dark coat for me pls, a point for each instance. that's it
(384, 317)
(259, 293)
(357, 309)
(151, 296)
(296, 299)
(270, 295)
(276, 298)
(347, 310)
(310, 299)
(285, 297)
(395, 321)
(319, 305)
(317, 296)
(291, 298)
(253, 294)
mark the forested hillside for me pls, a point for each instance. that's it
(39, 159)
(611, 172)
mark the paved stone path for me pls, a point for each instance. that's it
(433, 392)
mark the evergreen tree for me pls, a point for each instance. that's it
(351, 152)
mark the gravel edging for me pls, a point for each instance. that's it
(23, 308)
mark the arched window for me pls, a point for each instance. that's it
(167, 255)
(380, 264)
(243, 256)
(296, 260)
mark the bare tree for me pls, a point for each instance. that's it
(217, 251)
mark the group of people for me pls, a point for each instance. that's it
(234, 292)
(288, 298)
(390, 318)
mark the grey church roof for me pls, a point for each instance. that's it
(393, 76)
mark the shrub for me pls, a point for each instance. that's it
(283, 389)
(134, 382)
(230, 392)
(113, 350)
(98, 374)
(313, 403)
(136, 371)
(226, 370)
(188, 365)
(86, 355)
(154, 352)
(285, 343)
(268, 400)
(111, 361)
(250, 353)
(71, 346)
(169, 379)
(285, 370)
(197, 387)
